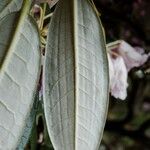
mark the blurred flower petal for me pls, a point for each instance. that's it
(118, 77)
(50, 2)
(140, 50)
(122, 58)
(36, 9)
(133, 57)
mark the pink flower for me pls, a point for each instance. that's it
(118, 77)
(122, 58)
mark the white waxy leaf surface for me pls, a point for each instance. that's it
(29, 125)
(8, 6)
(19, 73)
(75, 77)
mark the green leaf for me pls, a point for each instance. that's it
(8, 6)
(75, 80)
(19, 74)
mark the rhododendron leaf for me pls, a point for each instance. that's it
(75, 79)
(19, 74)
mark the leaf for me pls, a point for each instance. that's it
(8, 6)
(75, 80)
(29, 124)
(19, 73)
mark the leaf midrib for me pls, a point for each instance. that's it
(75, 48)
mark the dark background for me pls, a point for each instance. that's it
(128, 122)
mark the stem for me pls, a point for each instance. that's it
(48, 16)
(114, 44)
(42, 16)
